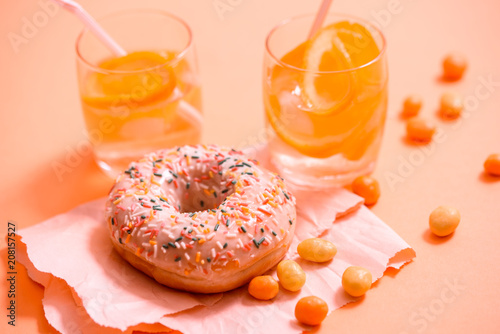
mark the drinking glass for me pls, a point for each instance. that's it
(148, 99)
(324, 126)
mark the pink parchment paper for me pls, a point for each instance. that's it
(89, 287)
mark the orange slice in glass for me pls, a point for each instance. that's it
(358, 42)
(135, 79)
(335, 49)
(327, 92)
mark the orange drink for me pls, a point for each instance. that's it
(145, 100)
(325, 99)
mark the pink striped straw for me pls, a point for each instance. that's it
(187, 110)
(92, 25)
(320, 17)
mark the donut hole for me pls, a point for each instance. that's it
(205, 195)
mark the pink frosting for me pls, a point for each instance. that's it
(194, 210)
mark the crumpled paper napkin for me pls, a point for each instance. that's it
(89, 288)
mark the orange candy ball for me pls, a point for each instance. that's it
(451, 105)
(412, 105)
(263, 287)
(444, 220)
(356, 281)
(368, 188)
(420, 130)
(492, 165)
(311, 310)
(454, 66)
(291, 275)
(316, 250)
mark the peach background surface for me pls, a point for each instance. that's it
(451, 286)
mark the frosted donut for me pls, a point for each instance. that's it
(200, 218)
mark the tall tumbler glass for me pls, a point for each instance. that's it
(325, 99)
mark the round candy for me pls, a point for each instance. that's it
(263, 287)
(492, 165)
(316, 250)
(419, 129)
(356, 281)
(454, 66)
(412, 105)
(451, 105)
(311, 310)
(368, 188)
(444, 220)
(291, 275)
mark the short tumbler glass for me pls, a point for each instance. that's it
(148, 99)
